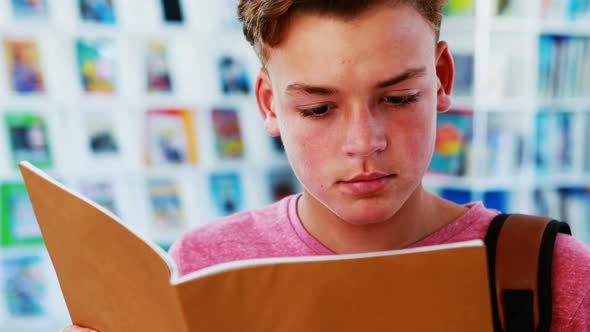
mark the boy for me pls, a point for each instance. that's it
(353, 88)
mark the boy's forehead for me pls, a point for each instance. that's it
(383, 36)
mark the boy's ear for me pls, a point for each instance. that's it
(445, 72)
(264, 97)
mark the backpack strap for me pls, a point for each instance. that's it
(520, 253)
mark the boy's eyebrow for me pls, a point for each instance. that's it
(326, 91)
(408, 74)
(310, 89)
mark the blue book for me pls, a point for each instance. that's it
(545, 62)
(458, 196)
(497, 200)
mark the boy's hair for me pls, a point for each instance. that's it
(264, 21)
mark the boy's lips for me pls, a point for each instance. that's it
(367, 183)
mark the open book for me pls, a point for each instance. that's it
(113, 280)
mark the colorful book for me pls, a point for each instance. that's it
(24, 286)
(453, 140)
(226, 192)
(233, 76)
(171, 137)
(228, 134)
(29, 8)
(23, 66)
(97, 65)
(97, 11)
(101, 136)
(142, 290)
(157, 68)
(28, 138)
(168, 214)
(283, 183)
(18, 223)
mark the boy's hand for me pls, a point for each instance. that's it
(75, 328)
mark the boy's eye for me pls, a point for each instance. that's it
(317, 111)
(400, 100)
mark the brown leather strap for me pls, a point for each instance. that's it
(517, 259)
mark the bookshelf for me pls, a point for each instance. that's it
(97, 140)
(87, 110)
(530, 107)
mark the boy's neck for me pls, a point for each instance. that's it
(421, 215)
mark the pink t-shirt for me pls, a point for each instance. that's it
(276, 231)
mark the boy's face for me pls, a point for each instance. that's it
(355, 102)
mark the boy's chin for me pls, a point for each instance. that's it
(363, 217)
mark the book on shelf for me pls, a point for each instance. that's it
(28, 138)
(24, 281)
(576, 211)
(228, 133)
(157, 67)
(564, 66)
(547, 203)
(23, 66)
(97, 65)
(504, 152)
(168, 216)
(570, 204)
(18, 226)
(493, 199)
(100, 12)
(233, 76)
(27, 9)
(453, 141)
(101, 136)
(131, 284)
(102, 192)
(464, 65)
(282, 182)
(558, 141)
(171, 137)
(172, 11)
(277, 145)
(226, 192)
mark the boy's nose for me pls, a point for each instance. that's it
(365, 135)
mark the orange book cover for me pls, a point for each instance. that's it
(170, 137)
(114, 280)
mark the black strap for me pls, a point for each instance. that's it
(491, 241)
(517, 304)
(545, 270)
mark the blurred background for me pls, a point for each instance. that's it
(146, 107)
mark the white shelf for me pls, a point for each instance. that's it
(559, 27)
(569, 104)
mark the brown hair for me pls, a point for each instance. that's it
(264, 20)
